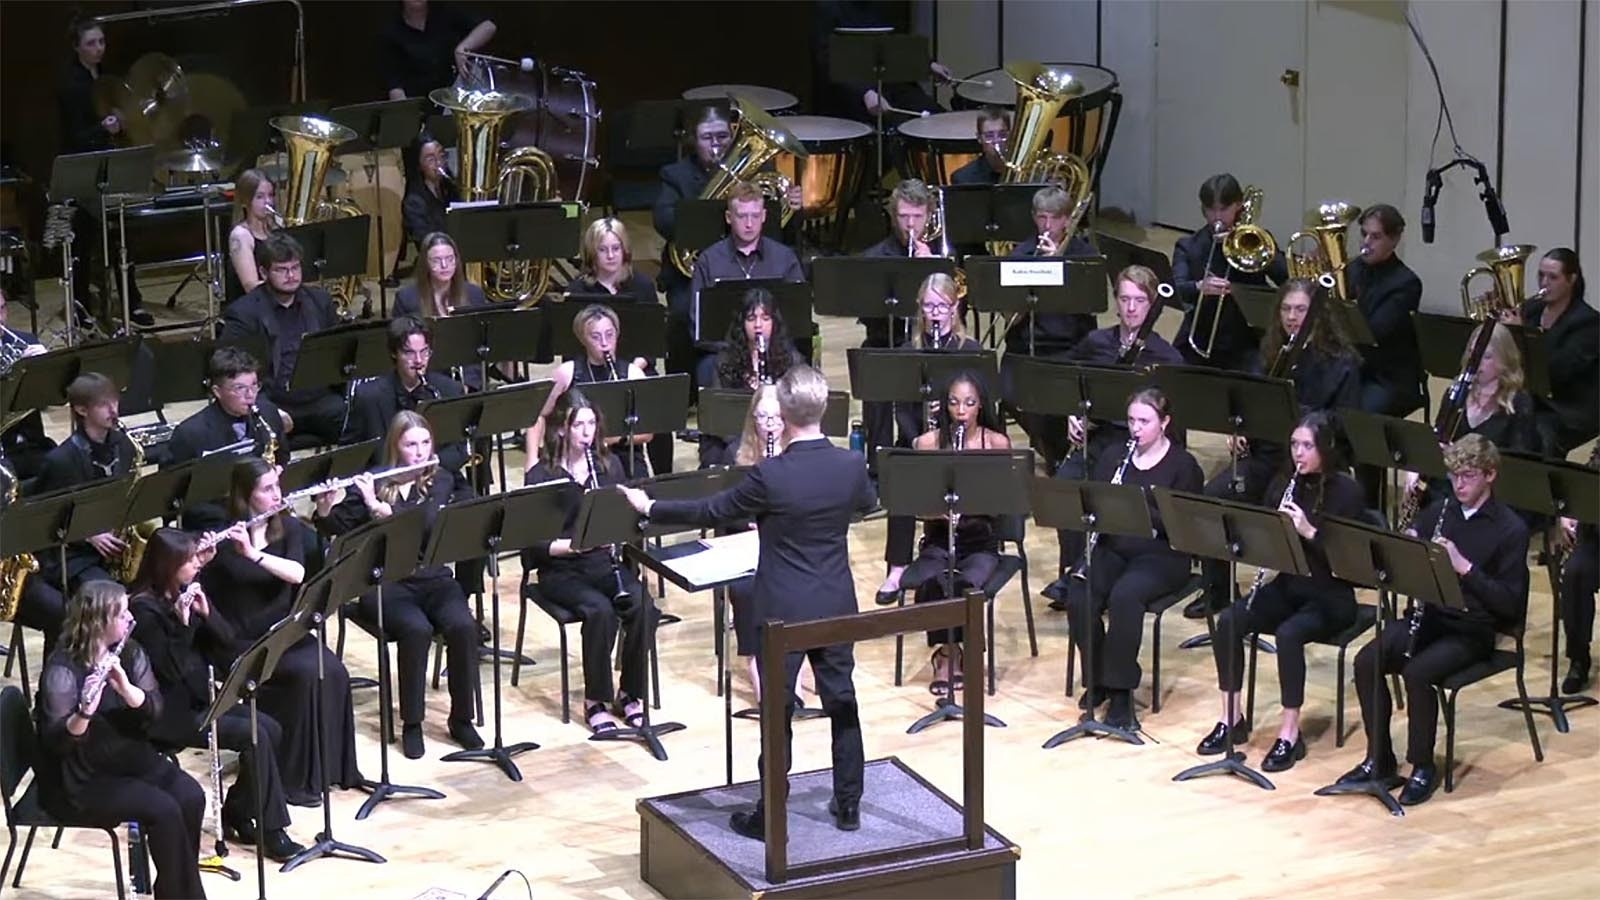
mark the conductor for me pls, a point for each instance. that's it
(802, 501)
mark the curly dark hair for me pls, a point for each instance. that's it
(1326, 337)
(733, 361)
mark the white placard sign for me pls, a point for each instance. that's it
(1033, 273)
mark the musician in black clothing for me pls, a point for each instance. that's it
(711, 133)
(23, 446)
(440, 286)
(96, 766)
(1129, 572)
(1131, 342)
(994, 130)
(284, 311)
(1488, 547)
(802, 502)
(425, 46)
(406, 386)
(254, 217)
(1580, 579)
(1571, 327)
(237, 413)
(606, 265)
(745, 253)
(598, 331)
(188, 645)
(429, 189)
(743, 365)
(426, 603)
(97, 449)
(860, 100)
(1203, 276)
(1388, 292)
(1297, 609)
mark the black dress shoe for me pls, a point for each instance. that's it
(1577, 677)
(241, 829)
(748, 824)
(1119, 712)
(462, 732)
(1099, 696)
(1216, 600)
(1217, 741)
(1420, 786)
(279, 847)
(141, 318)
(1284, 755)
(311, 801)
(411, 741)
(1057, 592)
(888, 598)
(846, 816)
(1384, 773)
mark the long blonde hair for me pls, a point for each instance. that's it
(89, 618)
(589, 247)
(1503, 344)
(946, 286)
(752, 447)
(403, 421)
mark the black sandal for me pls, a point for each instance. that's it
(939, 687)
(597, 725)
(958, 680)
(634, 719)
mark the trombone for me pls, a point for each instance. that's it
(1246, 247)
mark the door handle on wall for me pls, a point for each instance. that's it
(1290, 77)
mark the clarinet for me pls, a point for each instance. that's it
(614, 550)
(933, 404)
(1414, 625)
(763, 371)
(772, 444)
(1080, 572)
(611, 364)
(1263, 573)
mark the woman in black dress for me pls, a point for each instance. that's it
(254, 217)
(189, 645)
(97, 768)
(757, 352)
(607, 596)
(429, 189)
(1129, 572)
(1297, 609)
(427, 602)
(252, 586)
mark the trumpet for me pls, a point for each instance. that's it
(1081, 570)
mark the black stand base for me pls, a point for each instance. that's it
(1089, 726)
(214, 865)
(753, 713)
(648, 735)
(1204, 640)
(1231, 764)
(947, 710)
(327, 846)
(499, 754)
(382, 790)
(486, 652)
(1554, 706)
(1376, 789)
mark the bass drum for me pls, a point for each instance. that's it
(564, 121)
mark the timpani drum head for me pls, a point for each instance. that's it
(770, 99)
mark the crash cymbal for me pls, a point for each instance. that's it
(157, 101)
(213, 101)
(190, 160)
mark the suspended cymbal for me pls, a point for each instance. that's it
(189, 160)
(152, 101)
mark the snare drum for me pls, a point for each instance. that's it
(1084, 114)
(830, 175)
(770, 99)
(937, 145)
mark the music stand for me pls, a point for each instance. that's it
(717, 306)
(508, 522)
(381, 125)
(67, 516)
(976, 214)
(41, 381)
(641, 327)
(108, 176)
(1374, 557)
(178, 358)
(340, 462)
(1442, 341)
(251, 135)
(701, 223)
(342, 354)
(481, 335)
(873, 287)
(658, 404)
(169, 493)
(315, 602)
(1236, 532)
(1054, 388)
(1121, 254)
(723, 411)
(898, 375)
(949, 483)
(1259, 306)
(337, 248)
(1386, 442)
(1050, 285)
(1097, 508)
(488, 231)
(1551, 488)
(860, 57)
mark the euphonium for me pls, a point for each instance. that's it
(1330, 225)
(1041, 92)
(311, 142)
(522, 175)
(757, 138)
(1505, 265)
(14, 570)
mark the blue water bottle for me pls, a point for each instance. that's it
(858, 439)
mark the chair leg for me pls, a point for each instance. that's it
(900, 649)
(27, 847)
(339, 638)
(19, 652)
(116, 863)
(438, 660)
(566, 694)
(1338, 708)
(11, 651)
(522, 629)
(989, 627)
(1027, 611)
(1447, 703)
(1155, 665)
(11, 848)
(1527, 711)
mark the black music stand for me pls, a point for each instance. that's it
(251, 135)
(191, 355)
(1097, 508)
(1442, 341)
(717, 306)
(381, 125)
(342, 354)
(370, 556)
(489, 231)
(701, 223)
(1050, 388)
(1554, 489)
(108, 176)
(317, 600)
(641, 327)
(658, 404)
(1386, 442)
(340, 462)
(605, 518)
(1375, 557)
(723, 411)
(476, 337)
(1121, 254)
(170, 492)
(1054, 285)
(41, 381)
(250, 671)
(66, 516)
(509, 522)
(868, 287)
(1235, 404)
(874, 57)
(975, 214)
(900, 375)
(336, 248)
(932, 483)
(1236, 532)
(1259, 306)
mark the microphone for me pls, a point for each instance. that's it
(1430, 198)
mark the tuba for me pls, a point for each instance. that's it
(757, 139)
(521, 175)
(1505, 266)
(311, 142)
(1041, 92)
(14, 570)
(1330, 224)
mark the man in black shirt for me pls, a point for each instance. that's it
(1488, 547)
(712, 132)
(427, 44)
(994, 130)
(408, 386)
(1388, 293)
(237, 413)
(1198, 272)
(284, 311)
(743, 255)
(1571, 330)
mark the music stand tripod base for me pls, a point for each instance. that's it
(1379, 790)
(947, 710)
(1089, 726)
(1555, 706)
(647, 734)
(1204, 640)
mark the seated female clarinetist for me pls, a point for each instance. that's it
(598, 331)
(427, 602)
(188, 644)
(1297, 609)
(757, 352)
(592, 583)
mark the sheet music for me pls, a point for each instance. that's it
(724, 559)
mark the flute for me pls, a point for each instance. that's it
(341, 483)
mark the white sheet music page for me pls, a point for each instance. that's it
(724, 559)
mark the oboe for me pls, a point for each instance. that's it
(1081, 571)
(1415, 624)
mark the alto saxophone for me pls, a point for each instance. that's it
(14, 570)
(137, 535)
(269, 451)
(1081, 570)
